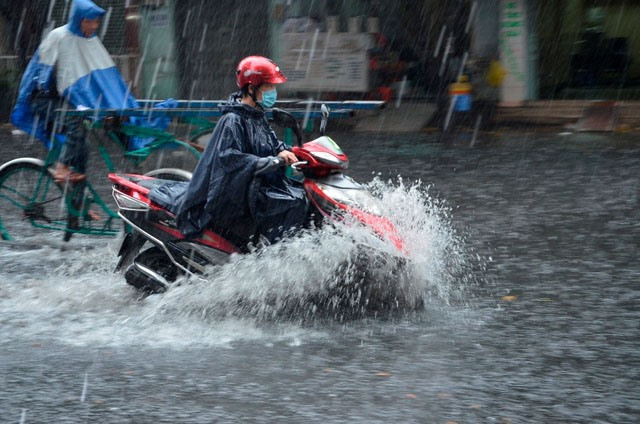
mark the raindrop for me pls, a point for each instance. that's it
(301, 51)
(401, 91)
(23, 416)
(153, 100)
(476, 127)
(136, 80)
(98, 105)
(36, 121)
(235, 24)
(445, 56)
(49, 107)
(84, 387)
(126, 96)
(105, 23)
(19, 32)
(312, 52)
(326, 44)
(167, 62)
(471, 16)
(465, 56)
(65, 191)
(51, 6)
(193, 89)
(436, 52)
(65, 10)
(204, 34)
(186, 23)
(56, 125)
(450, 112)
(156, 70)
(307, 112)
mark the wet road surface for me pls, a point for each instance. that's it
(527, 248)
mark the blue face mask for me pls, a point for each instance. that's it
(269, 98)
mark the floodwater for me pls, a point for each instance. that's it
(525, 256)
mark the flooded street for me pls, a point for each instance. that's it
(526, 258)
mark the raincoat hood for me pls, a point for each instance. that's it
(83, 9)
(234, 104)
(242, 110)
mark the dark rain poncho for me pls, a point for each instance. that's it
(224, 193)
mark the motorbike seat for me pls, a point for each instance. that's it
(168, 194)
(150, 184)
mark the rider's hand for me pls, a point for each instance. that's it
(288, 157)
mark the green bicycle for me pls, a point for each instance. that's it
(33, 206)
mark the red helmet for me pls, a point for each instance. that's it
(257, 70)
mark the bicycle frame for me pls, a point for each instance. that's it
(78, 198)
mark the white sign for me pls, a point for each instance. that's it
(325, 61)
(513, 51)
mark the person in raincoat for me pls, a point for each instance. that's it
(223, 192)
(70, 69)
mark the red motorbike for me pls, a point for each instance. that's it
(333, 197)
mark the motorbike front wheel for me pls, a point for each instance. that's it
(151, 271)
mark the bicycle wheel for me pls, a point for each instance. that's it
(32, 205)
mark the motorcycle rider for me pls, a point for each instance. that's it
(223, 192)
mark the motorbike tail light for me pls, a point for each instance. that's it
(126, 202)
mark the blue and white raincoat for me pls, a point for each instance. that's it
(79, 67)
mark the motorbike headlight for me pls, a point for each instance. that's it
(354, 197)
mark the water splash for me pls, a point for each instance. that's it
(265, 295)
(337, 272)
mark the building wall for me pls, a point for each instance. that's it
(158, 77)
(211, 39)
(560, 27)
(623, 20)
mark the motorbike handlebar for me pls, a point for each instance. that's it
(297, 165)
(271, 164)
(268, 164)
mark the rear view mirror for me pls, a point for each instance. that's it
(284, 119)
(324, 110)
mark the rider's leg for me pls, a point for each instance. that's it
(73, 156)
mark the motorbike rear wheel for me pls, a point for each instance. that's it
(151, 271)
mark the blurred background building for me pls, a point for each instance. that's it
(370, 49)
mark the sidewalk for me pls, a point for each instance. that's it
(575, 115)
